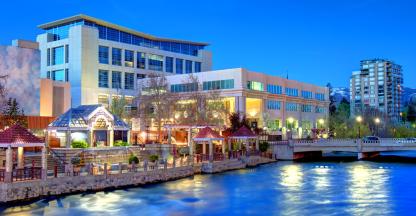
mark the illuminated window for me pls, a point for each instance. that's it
(253, 85)
(155, 62)
(128, 58)
(141, 60)
(218, 84)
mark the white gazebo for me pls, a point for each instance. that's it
(245, 135)
(91, 123)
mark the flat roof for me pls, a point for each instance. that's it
(111, 25)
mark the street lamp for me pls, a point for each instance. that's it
(377, 122)
(290, 128)
(359, 119)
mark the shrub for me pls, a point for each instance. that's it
(75, 160)
(263, 146)
(133, 158)
(119, 143)
(183, 150)
(79, 144)
(153, 158)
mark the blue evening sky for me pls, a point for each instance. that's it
(316, 41)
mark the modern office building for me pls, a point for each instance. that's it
(103, 61)
(36, 96)
(378, 84)
(267, 101)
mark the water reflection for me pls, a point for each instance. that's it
(284, 188)
(368, 190)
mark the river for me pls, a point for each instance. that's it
(282, 188)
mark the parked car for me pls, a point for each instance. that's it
(371, 139)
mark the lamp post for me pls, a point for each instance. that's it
(290, 120)
(359, 119)
(377, 122)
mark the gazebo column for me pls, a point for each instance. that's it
(9, 165)
(189, 136)
(211, 155)
(128, 136)
(90, 138)
(204, 148)
(44, 163)
(257, 144)
(111, 138)
(68, 138)
(239, 145)
(191, 148)
(170, 136)
(20, 158)
(223, 146)
(229, 145)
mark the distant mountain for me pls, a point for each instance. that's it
(406, 94)
(339, 93)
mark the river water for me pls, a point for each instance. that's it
(283, 188)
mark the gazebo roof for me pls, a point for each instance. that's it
(78, 117)
(243, 133)
(207, 134)
(18, 136)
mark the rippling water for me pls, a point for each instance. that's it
(283, 188)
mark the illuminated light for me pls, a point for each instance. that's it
(377, 120)
(321, 121)
(185, 114)
(215, 114)
(359, 119)
(290, 120)
(78, 136)
(252, 113)
(177, 115)
(292, 176)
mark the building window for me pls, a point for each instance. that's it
(129, 80)
(48, 74)
(197, 67)
(274, 89)
(218, 84)
(155, 62)
(103, 54)
(103, 78)
(169, 64)
(116, 80)
(141, 60)
(320, 96)
(320, 109)
(179, 66)
(113, 34)
(66, 53)
(128, 58)
(306, 108)
(66, 75)
(58, 75)
(292, 92)
(141, 76)
(48, 57)
(273, 105)
(306, 94)
(188, 87)
(116, 56)
(293, 107)
(188, 66)
(125, 37)
(253, 85)
(58, 55)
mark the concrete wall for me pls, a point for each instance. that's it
(64, 185)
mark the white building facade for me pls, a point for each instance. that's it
(103, 61)
(278, 104)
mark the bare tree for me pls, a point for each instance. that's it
(155, 103)
(200, 107)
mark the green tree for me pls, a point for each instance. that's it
(118, 107)
(13, 114)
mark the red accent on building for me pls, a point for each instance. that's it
(18, 134)
(208, 133)
(243, 132)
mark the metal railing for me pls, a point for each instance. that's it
(27, 173)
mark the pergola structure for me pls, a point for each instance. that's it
(245, 135)
(209, 135)
(17, 137)
(189, 128)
